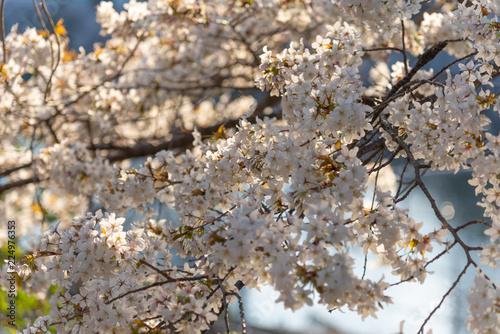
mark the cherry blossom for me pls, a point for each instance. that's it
(256, 123)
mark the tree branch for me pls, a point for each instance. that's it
(182, 141)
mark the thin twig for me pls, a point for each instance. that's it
(14, 169)
(421, 330)
(388, 127)
(423, 60)
(144, 288)
(408, 192)
(364, 267)
(369, 146)
(225, 307)
(418, 179)
(428, 263)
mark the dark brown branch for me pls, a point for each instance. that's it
(428, 263)
(47, 33)
(472, 222)
(35, 176)
(451, 64)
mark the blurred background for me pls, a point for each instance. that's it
(412, 302)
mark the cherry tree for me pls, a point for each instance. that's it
(256, 124)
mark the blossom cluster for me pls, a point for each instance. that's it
(96, 251)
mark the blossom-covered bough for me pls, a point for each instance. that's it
(270, 185)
